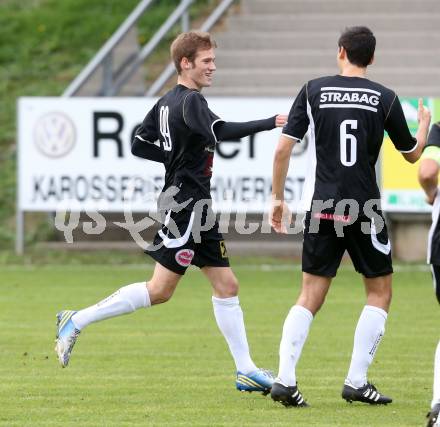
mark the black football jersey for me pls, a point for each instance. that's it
(347, 117)
(434, 136)
(183, 124)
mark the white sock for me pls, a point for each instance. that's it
(295, 330)
(436, 386)
(230, 321)
(125, 300)
(369, 332)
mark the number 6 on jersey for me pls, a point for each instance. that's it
(348, 157)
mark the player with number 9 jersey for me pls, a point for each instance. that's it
(184, 125)
(181, 132)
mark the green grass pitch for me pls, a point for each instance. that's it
(170, 366)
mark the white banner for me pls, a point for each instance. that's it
(74, 153)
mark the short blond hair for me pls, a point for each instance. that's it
(186, 45)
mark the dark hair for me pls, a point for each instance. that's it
(186, 45)
(359, 43)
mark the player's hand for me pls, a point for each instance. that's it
(423, 114)
(280, 120)
(280, 216)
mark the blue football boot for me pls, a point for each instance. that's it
(260, 380)
(66, 336)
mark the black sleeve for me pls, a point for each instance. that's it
(148, 131)
(434, 136)
(298, 120)
(199, 118)
(233, 130)
(147, 150)
(397, 128)
(143, 144)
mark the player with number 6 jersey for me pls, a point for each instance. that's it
(346, 116)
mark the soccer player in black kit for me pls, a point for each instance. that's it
(347, 115)
(429, 169)
(187, 131)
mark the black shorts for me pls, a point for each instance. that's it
(327, 237)
(180, 242)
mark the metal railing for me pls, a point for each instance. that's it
(114, 80)
(160, 82)
(148, 49)
(104, 54)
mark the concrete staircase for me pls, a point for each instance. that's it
(271, 48)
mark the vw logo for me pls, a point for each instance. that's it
(54, 135)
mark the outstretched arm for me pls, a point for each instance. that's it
(234, 130)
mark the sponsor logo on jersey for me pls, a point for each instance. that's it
(54, 135)
(340, 97)
(184, 257)
(332, 217)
